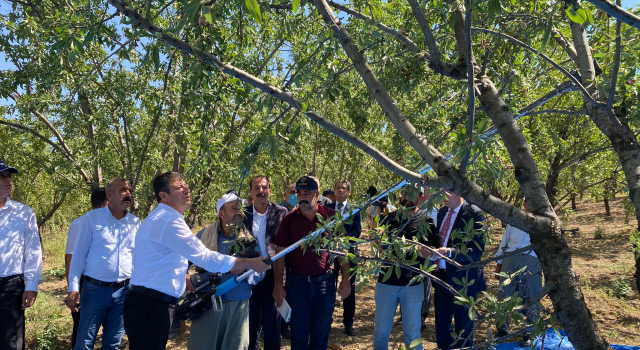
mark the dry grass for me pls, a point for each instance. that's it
(598, 263)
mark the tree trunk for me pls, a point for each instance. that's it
(551, 188)
(573, 202)
(95, 155)
(607, 208)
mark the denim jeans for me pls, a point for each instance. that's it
(387, 298)
(311, 311)
(100, 306)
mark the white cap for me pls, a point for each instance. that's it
(229, 197)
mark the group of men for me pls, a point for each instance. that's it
(126, 275)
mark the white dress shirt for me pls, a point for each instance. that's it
(163, 244)
(20, 250)
(72, 235)
(103, 250)
(513, 239)
(259, 230)
(442, 262)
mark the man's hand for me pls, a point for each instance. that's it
(257, 264)
(190, 286)
(73, 300)
(344, 289)
(498, 270)
(28, 298)
(279, 294)
(237, 272)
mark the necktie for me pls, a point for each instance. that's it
(443, 234)
(339, 207)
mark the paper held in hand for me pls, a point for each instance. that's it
(285, 310)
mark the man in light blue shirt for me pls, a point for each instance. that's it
(102, 254)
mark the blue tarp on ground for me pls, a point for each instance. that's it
(551, 342)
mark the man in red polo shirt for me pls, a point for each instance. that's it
(311, 283)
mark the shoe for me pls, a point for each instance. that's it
(174, 332)
(526, 342)
(285, 333)
(349, 330)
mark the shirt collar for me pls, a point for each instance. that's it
(106, 208)
(456, 210)
(170, 209)
(344, 204)
(256, 213)
(9, 204)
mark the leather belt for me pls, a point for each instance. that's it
(322, 277)
(106, 284)
(9, 278)
(155, 294)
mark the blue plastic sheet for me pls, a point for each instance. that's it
(554, 342)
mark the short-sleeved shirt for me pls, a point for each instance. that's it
(295, 226)
(419, 221)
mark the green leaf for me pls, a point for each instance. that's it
(398, 270)
(304, 107)
(583, 14)
(155, 56)
(415, 343)
(295, 5)
(207, 14)
(254, 10)
(573, 15)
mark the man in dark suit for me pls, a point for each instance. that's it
(353, 228)
(262, 220)
(449, 238)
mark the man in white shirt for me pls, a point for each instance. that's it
(102, 254)
(528, 284)
(262, 220)
(20, 262)
(164, 245)
(98, 200)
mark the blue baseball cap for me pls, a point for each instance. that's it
(307, 183)
(4, 166)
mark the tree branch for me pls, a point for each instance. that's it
(567, 86)
(87, 179)
(426, 31)
(559, 111)
(471, 104)
(617, 12)
(496, 258)
(154, 125)
(616, 64)
(587, 96)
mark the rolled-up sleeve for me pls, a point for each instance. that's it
(32, 255)
(178, 237)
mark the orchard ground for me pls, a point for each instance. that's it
(600, 263)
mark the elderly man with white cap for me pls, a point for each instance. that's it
(227, 328)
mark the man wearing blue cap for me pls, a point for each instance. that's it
(20, 262)
(311, 283)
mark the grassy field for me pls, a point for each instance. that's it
(601, 263)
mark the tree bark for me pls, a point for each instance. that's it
(93, 143)
(551, 187)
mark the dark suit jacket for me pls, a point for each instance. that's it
(466, 213)
(274, 216)
(354, 229)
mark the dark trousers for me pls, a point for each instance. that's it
(147, 321)
(426, 303)
(445, 311)
(76, 321)
(312, 303)
(12, 319)
(349, 303)
(261, 302)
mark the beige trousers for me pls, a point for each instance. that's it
(224, 330)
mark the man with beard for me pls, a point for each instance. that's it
(103, 255)
(227, 328)
(164, 246)
(393, 290)
(311, 283)
(353, 228)
(449, 238)
(262, 220)
(98, 201)
(20, 262)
